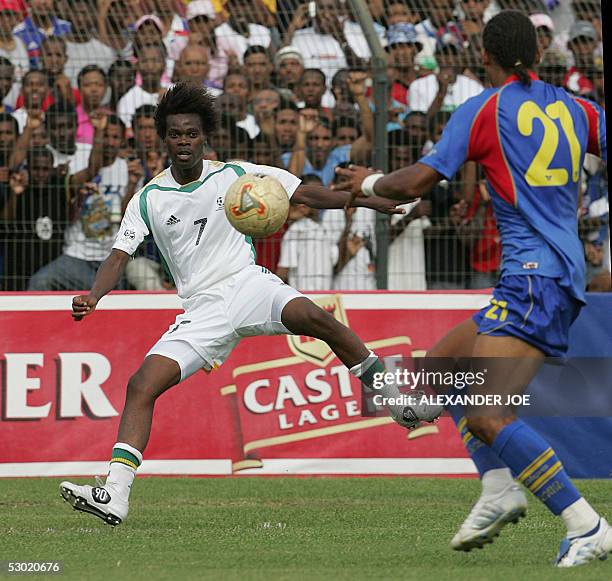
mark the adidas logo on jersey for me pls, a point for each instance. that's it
(172, 220)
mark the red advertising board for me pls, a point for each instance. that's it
(279, 405)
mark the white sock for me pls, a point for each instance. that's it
(579, 518)
(496, 481)
(122, 470)
(120, 478)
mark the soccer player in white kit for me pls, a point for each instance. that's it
(226, 296)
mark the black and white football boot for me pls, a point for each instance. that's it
(98, 500)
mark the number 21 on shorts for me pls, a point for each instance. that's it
(496, 305)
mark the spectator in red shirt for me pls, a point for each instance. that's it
(477, 228)
(582, 42)
(402, 46)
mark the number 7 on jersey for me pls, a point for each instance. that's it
(202, 223)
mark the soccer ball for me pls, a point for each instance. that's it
(256, 205)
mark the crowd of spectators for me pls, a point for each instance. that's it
(79, 81)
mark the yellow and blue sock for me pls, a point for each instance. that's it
(535, 464)
(484, 458)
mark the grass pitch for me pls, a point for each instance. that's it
(284, 528)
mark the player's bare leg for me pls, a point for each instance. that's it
(302, 317)
(154, 377)
(109, 501)
(501, 500)
(530, 457)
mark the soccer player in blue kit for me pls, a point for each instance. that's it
(530, 138)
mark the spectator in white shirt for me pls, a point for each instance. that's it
(440, 24)
(265, 103)
(311, 89)
(241, 30)
(406, 258)
(354, 232)
(149, 29)
(202, 20)
(174, 28)
(121, 77)
(61, 126)
(193, 66)
(150, 65)
(99, 207)
(234, 104)
(445, 91)
(7, 78)
(11, 46)
(82, 46)
(34, 89)
(289, 64)
(257, 68)
(308, 253)
(286, 124)
(324, 44)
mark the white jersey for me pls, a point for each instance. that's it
(189, 225)
(91, 236)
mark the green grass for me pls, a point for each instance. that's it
(284, 528)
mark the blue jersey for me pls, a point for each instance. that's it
(531, 142)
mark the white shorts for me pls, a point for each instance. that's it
(213, 323)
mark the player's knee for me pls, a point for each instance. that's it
(138, 387)
(482, 428)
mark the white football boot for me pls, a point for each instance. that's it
(582, 550)
(418, 411)
(489, 516)
(99, 500)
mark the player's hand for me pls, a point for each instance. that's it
(300, 17)
(156, 162)
(82, 306)
(99, 120)
(308, 120)
(356, 83)
(352, 178)
(18, 182)
(445, 78)
(354, 244)
(266, 123)
(35, 119)
(382, 205)
(64, 88)
(457, 213)
(135, 170)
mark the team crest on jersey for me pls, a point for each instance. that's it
(248, 204)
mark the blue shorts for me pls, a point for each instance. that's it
(532, 308)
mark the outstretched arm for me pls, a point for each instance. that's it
(106, 280)
(402, 185)
(323, 198)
